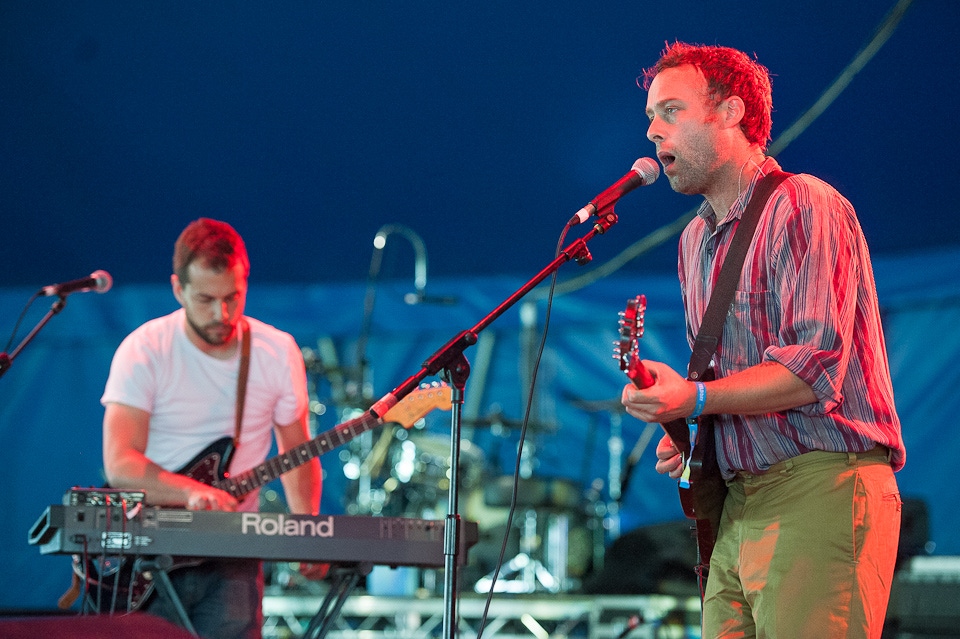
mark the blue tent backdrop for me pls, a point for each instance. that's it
(51, 416)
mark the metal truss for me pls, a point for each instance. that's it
(287, 616)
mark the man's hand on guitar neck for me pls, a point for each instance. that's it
(670, 397)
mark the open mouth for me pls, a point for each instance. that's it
(666, 159)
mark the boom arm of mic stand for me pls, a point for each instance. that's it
(450, 359)
(6, 361)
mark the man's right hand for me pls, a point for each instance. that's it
(209, 498)
(669, 461)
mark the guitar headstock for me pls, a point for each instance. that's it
(418, 403)
(627, 349)
(631, 330)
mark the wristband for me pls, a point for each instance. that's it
(701, 400)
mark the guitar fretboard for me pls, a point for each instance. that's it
(242, 483)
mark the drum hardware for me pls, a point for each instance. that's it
(406, 473)
(498, 424)
(618, 469)
(542, 562)
(523, 574)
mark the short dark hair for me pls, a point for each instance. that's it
(216, 243)
(728, 72)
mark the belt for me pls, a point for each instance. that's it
(880, 451)
(877, 452)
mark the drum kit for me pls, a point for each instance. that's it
(557, 534)
(559, 530)
(556, 528)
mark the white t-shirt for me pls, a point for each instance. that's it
(191, 396)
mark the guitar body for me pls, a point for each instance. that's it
(210, 465)
(118, 582)
(702, 488)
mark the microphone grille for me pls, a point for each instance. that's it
(103, 281)
(648, 169)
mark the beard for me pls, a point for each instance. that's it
(215, 333)
(693, 173)
(696, 159)
(687, 178)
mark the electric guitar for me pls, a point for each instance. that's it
(114, 582)
(701, 487)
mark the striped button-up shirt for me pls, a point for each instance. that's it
(806, 299)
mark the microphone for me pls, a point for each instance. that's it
(98, 281)
(643, 172)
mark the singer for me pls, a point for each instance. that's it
(177, 385)
(807, 437)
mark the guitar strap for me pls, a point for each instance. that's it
(708, 338)
(245, 340)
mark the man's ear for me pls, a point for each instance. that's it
(177, 288)
(732, 110)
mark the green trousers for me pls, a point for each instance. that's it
(806, 550)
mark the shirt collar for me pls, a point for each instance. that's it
(709, 216)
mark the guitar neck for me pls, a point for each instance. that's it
(249, 480)
(407, 411)
(639, 375)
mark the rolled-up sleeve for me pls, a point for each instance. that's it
(816, 281)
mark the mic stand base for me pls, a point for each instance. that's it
(521, 575)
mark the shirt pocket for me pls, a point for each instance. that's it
(748, 329)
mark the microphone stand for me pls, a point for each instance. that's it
(6, 361)
(451, 363)
(376, 260)
(360, 395)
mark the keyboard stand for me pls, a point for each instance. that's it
(159, 566)
(343, 580)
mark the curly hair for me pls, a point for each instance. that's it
(216, 243)
(728, 72)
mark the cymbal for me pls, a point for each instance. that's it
(544, 492)
(498, 420)
(596, 405)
